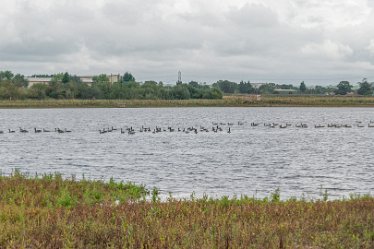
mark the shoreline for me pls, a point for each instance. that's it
(49, 211)
(227, 101)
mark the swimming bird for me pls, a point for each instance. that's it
(59, 130)
(68, 131)
(37, 130)
(23, 130)
(11, 131)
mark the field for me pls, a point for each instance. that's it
(227, 101)
(53, 212)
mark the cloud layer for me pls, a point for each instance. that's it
(270, 40)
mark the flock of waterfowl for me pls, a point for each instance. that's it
(36, 130)
(192, 129)
(215, 128)
(358, 124)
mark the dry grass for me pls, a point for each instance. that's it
(51, 212)
(228, 101)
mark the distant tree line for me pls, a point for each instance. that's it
(343, 88)
(66, 86)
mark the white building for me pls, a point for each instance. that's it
(87, 79)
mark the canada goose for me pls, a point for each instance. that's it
(131, 132)
(59, 130)
(37, 130)
(23, 130)
(67, 131)
(229, 131)
(11, 131)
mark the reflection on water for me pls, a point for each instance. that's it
(252, 160)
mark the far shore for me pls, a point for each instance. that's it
(227, 101)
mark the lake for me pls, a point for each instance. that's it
(251, 160)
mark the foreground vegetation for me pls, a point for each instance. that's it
(227, 101)
(52, 212)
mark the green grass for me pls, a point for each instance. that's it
(227, 101)
(52, 212)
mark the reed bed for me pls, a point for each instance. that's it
(52, 212)
(227, 101)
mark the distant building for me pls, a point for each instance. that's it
(114, 78)
(38, 80)
(87, 79)
(257, 85)
(285, 91)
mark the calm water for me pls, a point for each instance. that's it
(250, 160)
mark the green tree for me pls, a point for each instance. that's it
(226, 86)
(65, 78)
(245, 87)
(343, 88)
(365, 88)
(38, 91)
(20, 81)
(302, 87)
(128, 77)
(267, 88)
(6, 75)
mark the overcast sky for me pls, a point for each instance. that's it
(284, 41)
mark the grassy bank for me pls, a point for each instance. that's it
(50, 212)
(227, 101)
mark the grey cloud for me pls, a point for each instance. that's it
(154, 40)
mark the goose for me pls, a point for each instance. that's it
(23, 130)
(131, 132)
(229, 131)
(68, 131)
(59, 130)
(11, 131)
(37, 130)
